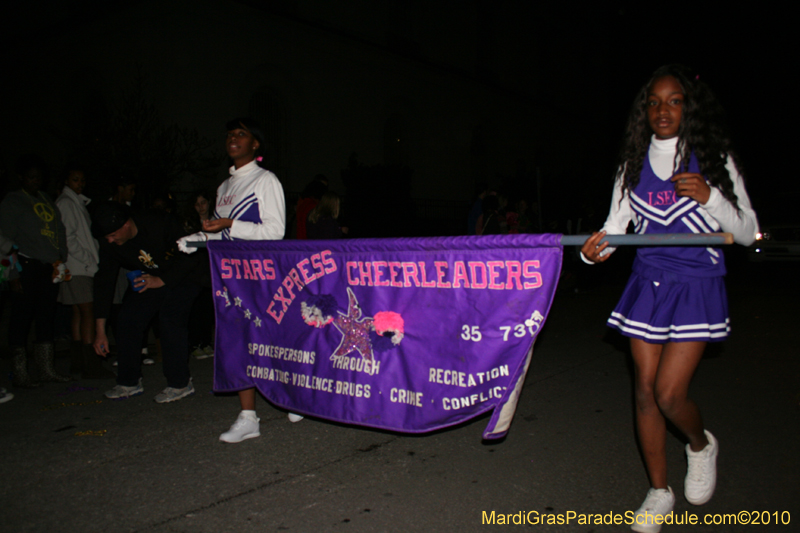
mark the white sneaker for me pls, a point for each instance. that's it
(295, 417)
(203, 353)
(5, 395)
(171, 394)
(659, 502)
(701, 474)
(121, 391)
(148, 361)
(244, 428)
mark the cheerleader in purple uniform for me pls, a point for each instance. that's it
(677, 174)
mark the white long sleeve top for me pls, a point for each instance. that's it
(718, 212)
(82, 249)
(253, 198)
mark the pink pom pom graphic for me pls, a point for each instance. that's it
(389, 321)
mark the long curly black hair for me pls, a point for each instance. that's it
(703, 132)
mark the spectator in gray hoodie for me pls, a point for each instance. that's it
(32, 221)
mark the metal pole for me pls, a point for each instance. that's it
(655, 239)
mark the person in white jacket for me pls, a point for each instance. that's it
(250, 206)
(82, 262)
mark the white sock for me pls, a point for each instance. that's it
(250, 415)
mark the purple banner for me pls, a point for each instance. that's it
(409, 335)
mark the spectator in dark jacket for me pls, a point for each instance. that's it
(145, 244)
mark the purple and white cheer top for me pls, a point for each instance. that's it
(675, 293)
(658, 209)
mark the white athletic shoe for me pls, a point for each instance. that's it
(295, 417)
(701, 474)
(203, 352)
(5, 395)
(659, 502)
(245, 427)
(171, 394)
(121, 391)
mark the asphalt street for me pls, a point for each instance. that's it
(75, 461)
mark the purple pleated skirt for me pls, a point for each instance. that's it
(658, 306)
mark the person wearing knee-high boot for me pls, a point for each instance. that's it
(32, 221)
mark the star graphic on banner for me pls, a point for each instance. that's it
(257, 322)
(247, 314)
(355, 332)
(237, 301)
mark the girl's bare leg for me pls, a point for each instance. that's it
(679, 360)
(247, 398)
(75, 324)
(662, 378)
(87, 323)
(650, 425)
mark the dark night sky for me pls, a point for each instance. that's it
(596, 59)
(581, 66)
